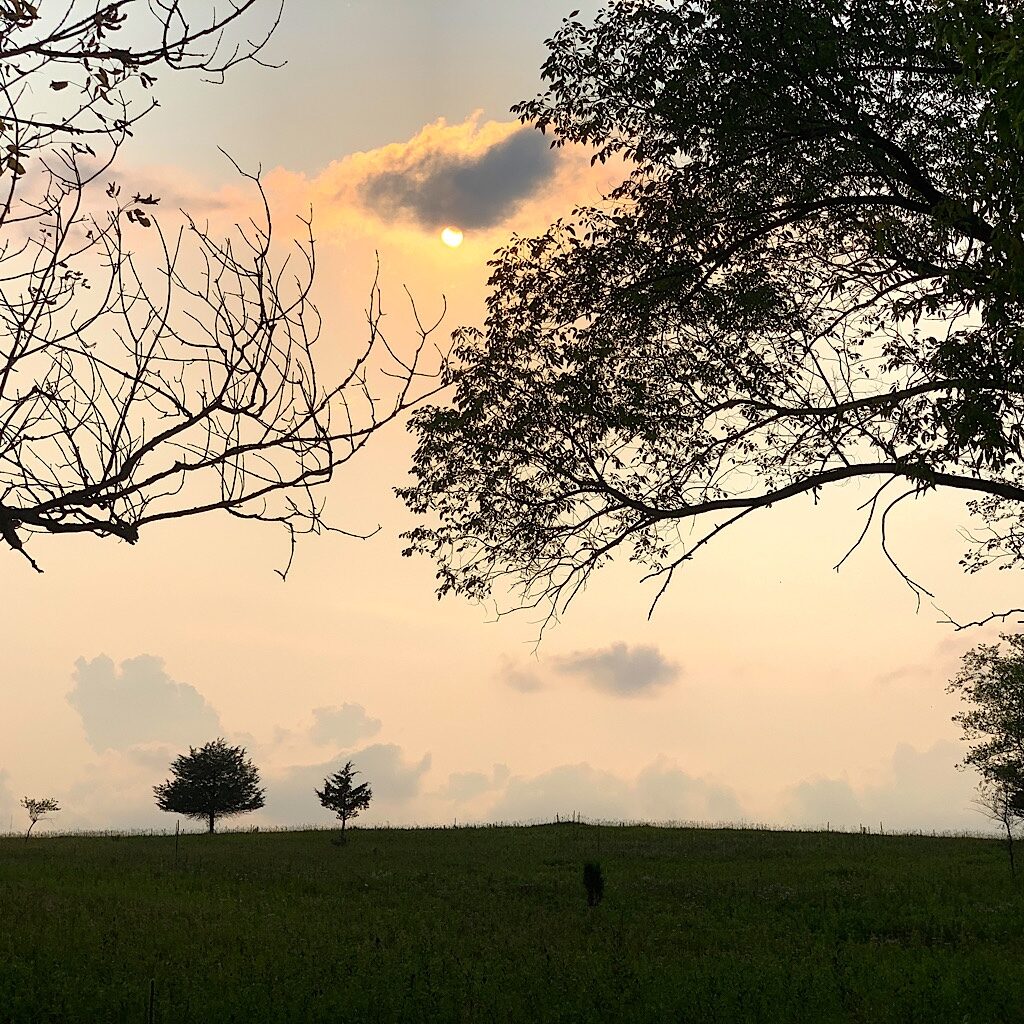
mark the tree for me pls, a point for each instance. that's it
(991, 684)
(38, 811)
(215, 781)
(1003, 804)
(153, 371)
(813, 273)
(342, 797)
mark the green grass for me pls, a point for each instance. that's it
(491, 924)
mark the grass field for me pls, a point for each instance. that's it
(491, 924)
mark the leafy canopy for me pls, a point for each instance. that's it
(38, 810)
(814, 272)
(991, 685)
(215, 781)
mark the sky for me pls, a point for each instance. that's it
(765, 688)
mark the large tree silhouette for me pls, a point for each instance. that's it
(215, 781)
(813, 273)
(150, 374)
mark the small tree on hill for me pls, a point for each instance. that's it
(215, 781)
(341, 796)
(38, 810)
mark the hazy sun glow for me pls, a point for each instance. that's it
(452, 237)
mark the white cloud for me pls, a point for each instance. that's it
(8, 803)
(138, 703)
(341, 727)
(918, 790)
(661, 792)
(466, 786)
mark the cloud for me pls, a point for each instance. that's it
(918, 790)
(620, 670)
(138, 703)
(661, 792)
(341, 727)
(116, 791)
(438, 185)
(820, 800)
(291, 799)
(486, 177)
(522, 679)
(8, 804)
(469, 785)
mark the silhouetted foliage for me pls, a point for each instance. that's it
(150, 374)
(813, 273)
(342, 796)
(38, 810)
(991, 684)
(215, 781)
(593, 882)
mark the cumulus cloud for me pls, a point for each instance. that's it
(918, 790)
(621, 670)
(445, 185)
(341, 727)
(661, 792)
(138, 703)
(394, 780)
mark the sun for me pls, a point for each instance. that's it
(452, 237)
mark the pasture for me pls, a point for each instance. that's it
(492, 924)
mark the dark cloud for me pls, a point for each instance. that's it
(341, 727)
(660, 793)
(620, 670)
(138, 703)
(291, 799)
(477, 191)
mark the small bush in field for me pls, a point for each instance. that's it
(593, 882)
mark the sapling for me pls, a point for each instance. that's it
(38, 811)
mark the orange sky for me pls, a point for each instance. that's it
(776, 690)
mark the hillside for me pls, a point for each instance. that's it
(491, 924)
